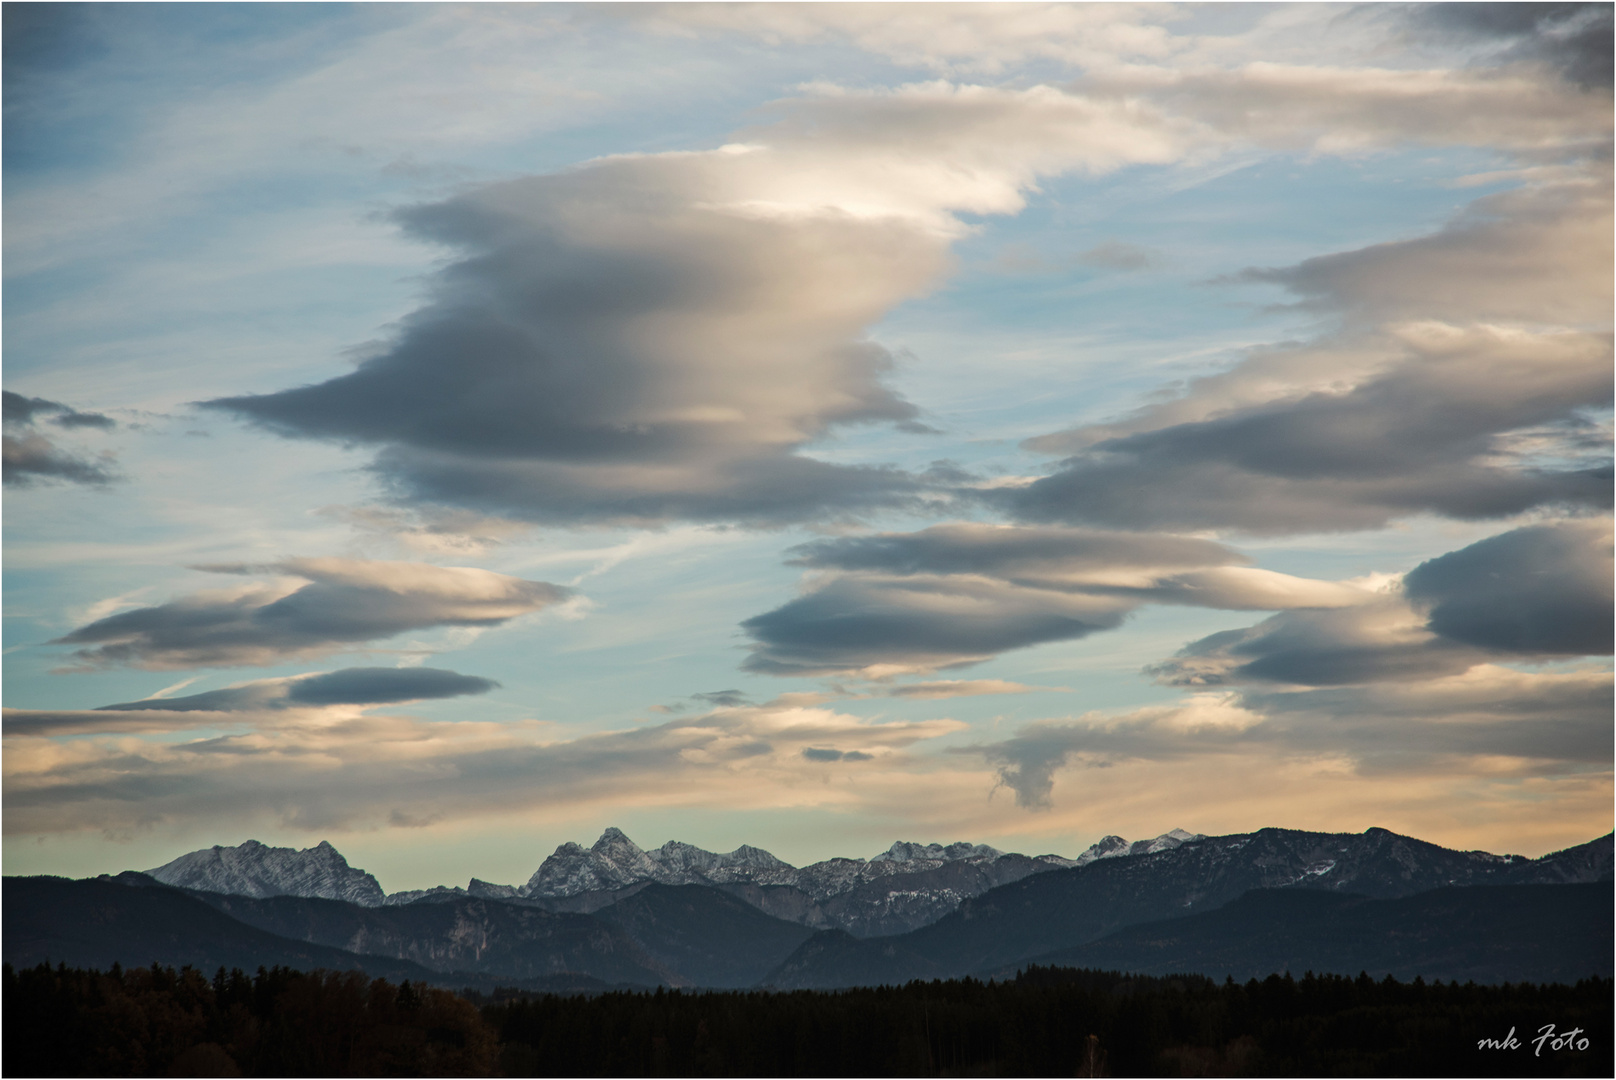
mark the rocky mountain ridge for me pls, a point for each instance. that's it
(1039, 915)
(257, 870)
(907, 886)
(1244, 905)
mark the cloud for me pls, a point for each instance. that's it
(1411, 679)
(349, 686)
(972, 37)
(1419, 418)
(938, 689)
(1532, 593)
(817, 754)
(17, 409)
(1441, 357)
(331, 768)
(950, 595)
(1486, 719)
(429, 531)
(1540, 254)
(1544, 589)
(1116, 255)
(1353, 110)
(252, 702)
(656, 337)
(29, 456)
(1574, 39)
(32, 457)
(320, 607)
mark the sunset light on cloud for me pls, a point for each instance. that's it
(450, 430)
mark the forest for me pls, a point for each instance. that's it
(158, 1021)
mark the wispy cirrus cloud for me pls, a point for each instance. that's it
(338, 767)
(1488, 723)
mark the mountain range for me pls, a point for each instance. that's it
(1241, 905)
(905, 887)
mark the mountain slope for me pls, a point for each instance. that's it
(96, 923)
(465, 934)
(708, 937)
(1062, 909)
(1483, 933)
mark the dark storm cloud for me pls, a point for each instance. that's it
(345, 603)
(1573, 39)
(349, 686)
(951, 595)
(1542, 589)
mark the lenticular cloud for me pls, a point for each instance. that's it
(657, 337)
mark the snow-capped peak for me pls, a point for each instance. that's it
(907, 851)
(1111, 847)
(255, 869)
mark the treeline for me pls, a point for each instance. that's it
(1046, 1022)
(160, 1022)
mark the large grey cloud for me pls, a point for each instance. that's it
(956, 594)
(1532, 593)
(654, 337)
(1469, 378)
(322, 606)
(1542, 589)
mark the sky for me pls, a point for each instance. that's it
(448, 431)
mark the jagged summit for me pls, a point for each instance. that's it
(258, 870)
(1111, 847)
(904, 851)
